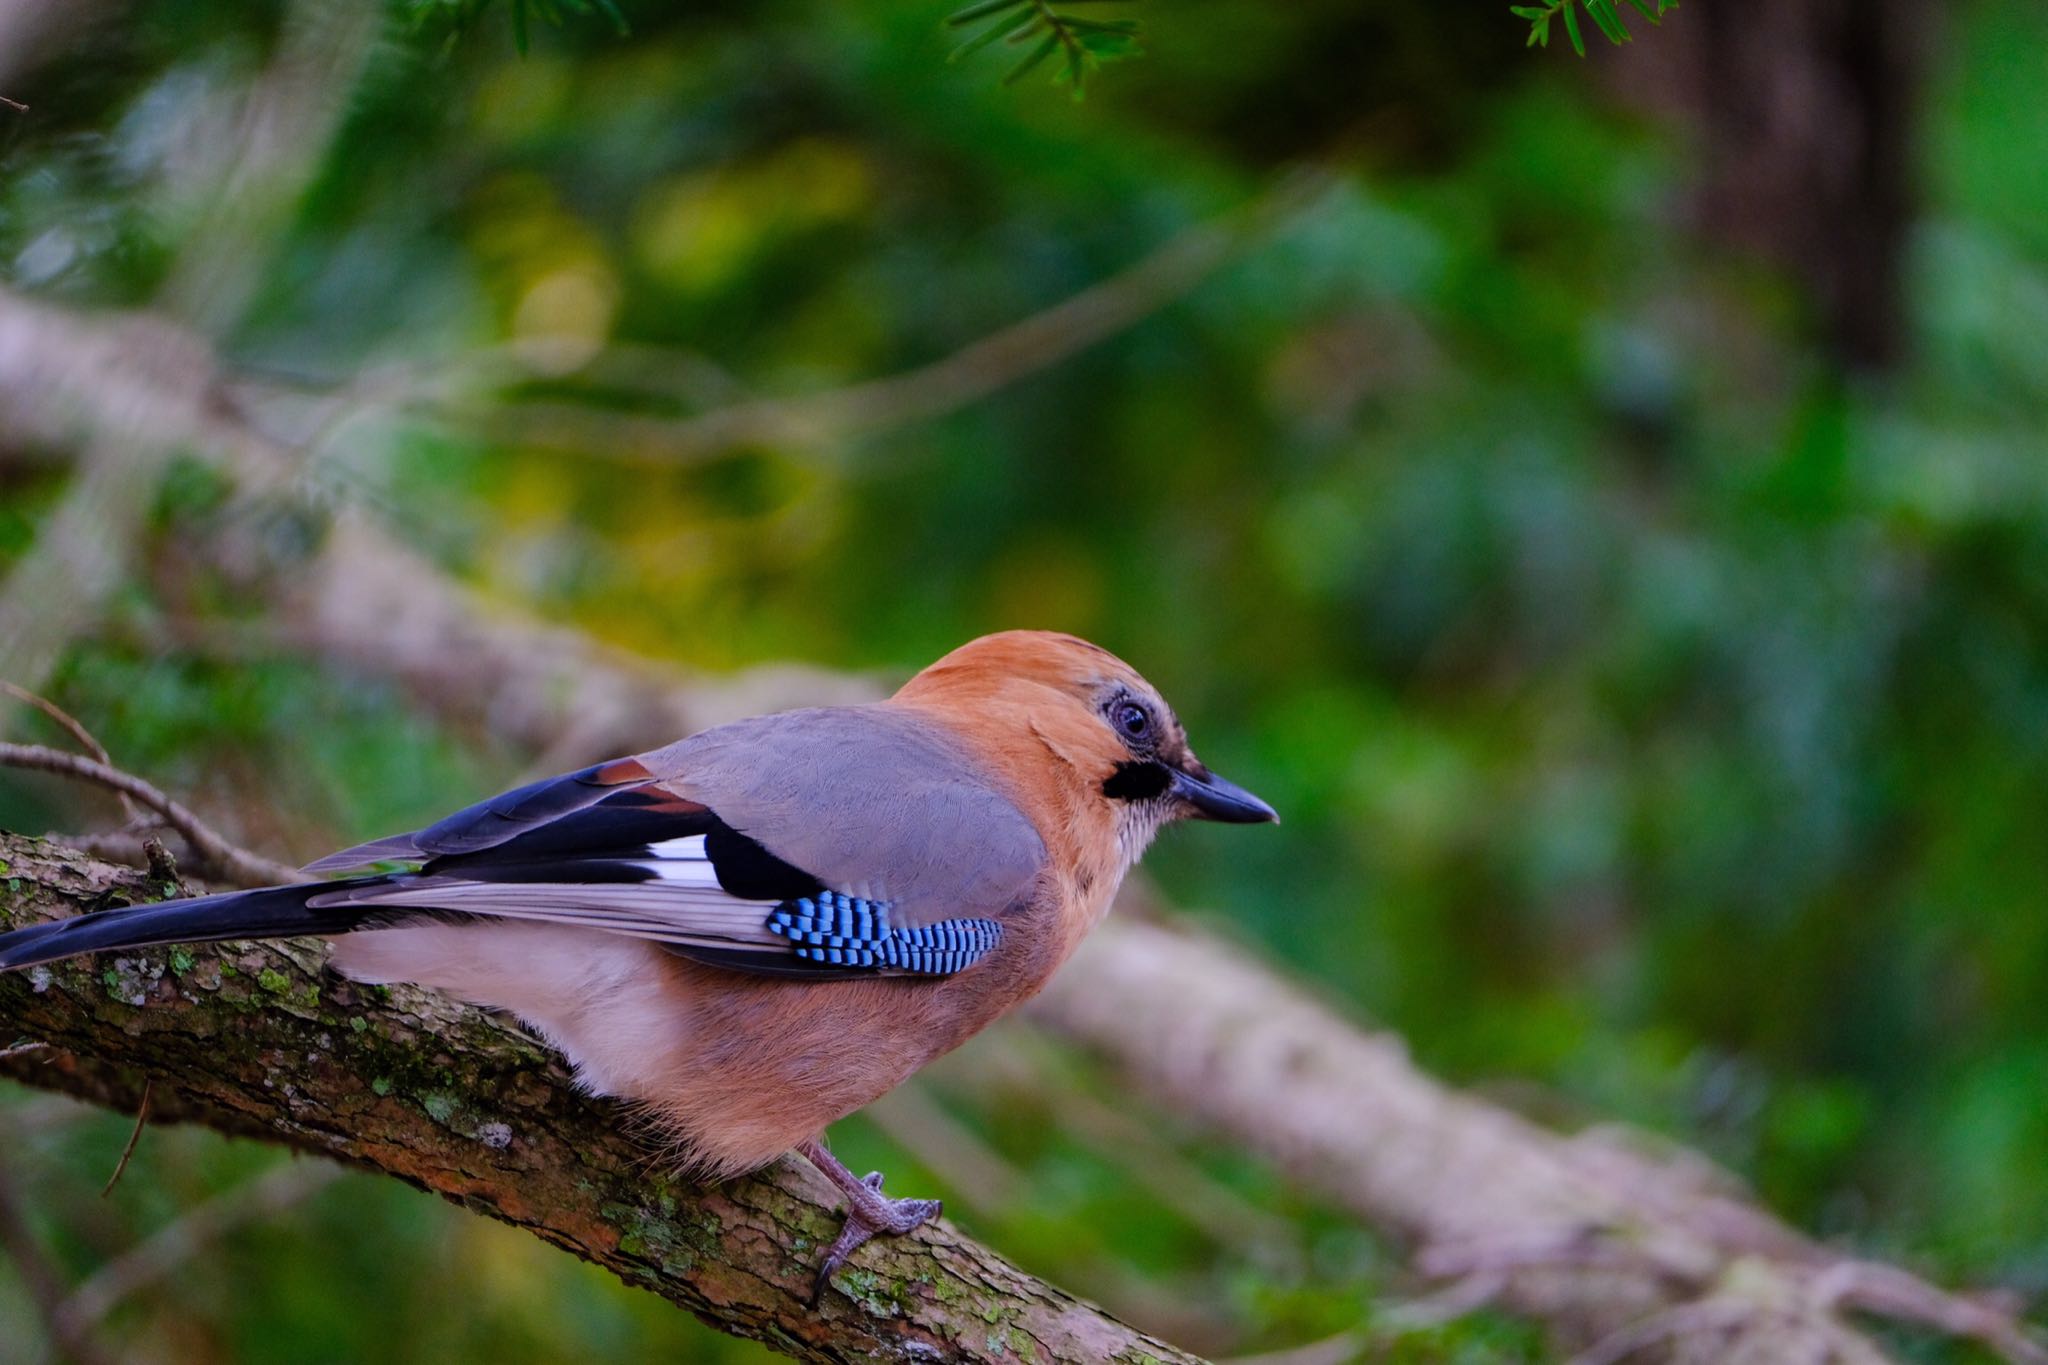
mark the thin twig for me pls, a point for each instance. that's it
(68, 722)
(74, 727)
(19, 1049)
(965, 376)
(16, 105)
(221, 858)
(134, 1136)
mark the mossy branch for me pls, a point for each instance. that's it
(261, 1041)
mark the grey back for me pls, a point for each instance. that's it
(874, 801)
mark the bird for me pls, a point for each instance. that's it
(756, 930)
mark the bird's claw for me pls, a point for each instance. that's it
(870, 1214)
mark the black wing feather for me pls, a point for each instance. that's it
(602, 842)
(503, 818)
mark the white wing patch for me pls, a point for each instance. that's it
(682, 861)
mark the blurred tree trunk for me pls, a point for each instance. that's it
(1808, 109)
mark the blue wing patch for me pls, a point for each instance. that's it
(846, 931)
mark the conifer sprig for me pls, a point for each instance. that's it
(1044, 30)
(1604, 14)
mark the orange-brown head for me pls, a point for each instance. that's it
(1091, 749)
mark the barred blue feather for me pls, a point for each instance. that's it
(847, 931)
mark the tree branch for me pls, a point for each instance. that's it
(259, 1040)
(1593, 1235)
(257, 173)
(217, 856)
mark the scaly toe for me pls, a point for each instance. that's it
(885, 1218)
(849, 1240)
(907, 1214)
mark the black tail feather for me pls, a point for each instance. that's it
(272, 912)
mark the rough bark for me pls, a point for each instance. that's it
(1596, 1235)
(261, 1041)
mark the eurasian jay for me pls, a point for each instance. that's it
(757, 930)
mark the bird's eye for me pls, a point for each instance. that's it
(1134, 720)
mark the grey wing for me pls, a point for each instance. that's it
(839, 842)
(875, 802)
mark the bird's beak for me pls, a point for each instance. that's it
(1215, 799)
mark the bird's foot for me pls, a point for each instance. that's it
(869, 1213)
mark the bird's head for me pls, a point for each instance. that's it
(1065, 714)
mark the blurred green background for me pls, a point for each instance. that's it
(1652, 669)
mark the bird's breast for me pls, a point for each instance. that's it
(764, 1063)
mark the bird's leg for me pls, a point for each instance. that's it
(869, 1213)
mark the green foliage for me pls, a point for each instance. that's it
(1604, 14)
(453, 18)
(1044, 29)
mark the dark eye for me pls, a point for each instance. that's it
(1134, 720)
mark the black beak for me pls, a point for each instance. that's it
(1215, 799)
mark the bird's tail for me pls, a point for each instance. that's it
(271, 912)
